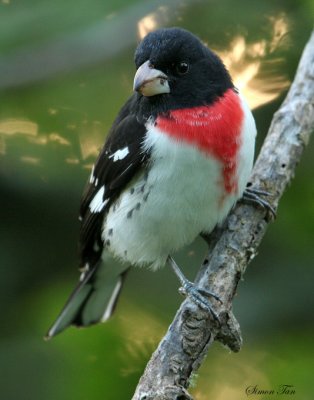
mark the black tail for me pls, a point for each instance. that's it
(93, 300)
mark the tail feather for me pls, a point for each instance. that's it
(93, 300)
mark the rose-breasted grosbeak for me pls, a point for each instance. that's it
(177, 158)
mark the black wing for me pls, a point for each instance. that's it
(119, 160)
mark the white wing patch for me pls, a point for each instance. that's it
(97, 204)
(120, 154)
(92, 176)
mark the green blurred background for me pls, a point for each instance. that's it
(65, 69)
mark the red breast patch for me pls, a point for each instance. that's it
(213, 129)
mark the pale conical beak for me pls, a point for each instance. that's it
(149, 81)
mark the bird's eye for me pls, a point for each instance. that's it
(182, 67)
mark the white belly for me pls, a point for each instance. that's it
(181, 196)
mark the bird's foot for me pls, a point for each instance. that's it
(200, 297)
(197, 295)
(254, 196)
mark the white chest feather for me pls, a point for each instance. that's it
(181, 195)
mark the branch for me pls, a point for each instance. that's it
(232, 247)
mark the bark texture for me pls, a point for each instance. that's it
(232, 247)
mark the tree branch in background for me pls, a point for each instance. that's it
(232, 247)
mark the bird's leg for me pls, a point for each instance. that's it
(197, 295)
(254, 196)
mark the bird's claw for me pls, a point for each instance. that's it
(207, 293)
(198, 296)
(253, 196)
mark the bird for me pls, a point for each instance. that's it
(176, 160)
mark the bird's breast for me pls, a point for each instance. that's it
(186, 189)
(214, 129)
(164, 208)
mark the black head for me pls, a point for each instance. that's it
(186, 72)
